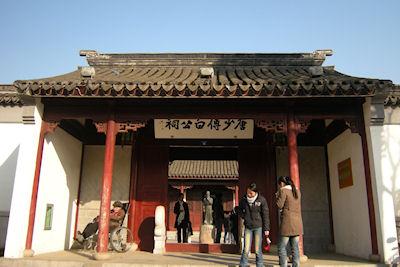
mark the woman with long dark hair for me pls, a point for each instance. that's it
(288, 200)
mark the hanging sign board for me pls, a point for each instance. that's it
(203, 128)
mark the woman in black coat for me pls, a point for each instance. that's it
(181, 210)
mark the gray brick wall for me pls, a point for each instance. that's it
(315, 205)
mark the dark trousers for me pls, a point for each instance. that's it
(180, 229)
(90, 229)
(218, 229)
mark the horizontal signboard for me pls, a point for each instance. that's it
(203, 128)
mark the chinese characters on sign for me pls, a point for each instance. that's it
(204, 128)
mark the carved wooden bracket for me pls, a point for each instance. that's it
(49, 127)
(302, 125)
(122, 127)
(130, 126)
(231, 187)
(280, 126)
(353, 125)
(273, 126)
(101, 127)
(183, 187)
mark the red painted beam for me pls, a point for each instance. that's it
(104, 220)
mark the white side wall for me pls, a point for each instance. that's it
(384, 147)
(22, 190)
(10, 142)
(92, 174)
(349, 204)
(59, 180)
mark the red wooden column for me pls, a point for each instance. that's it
(102, 242)
(292, 131)
(236, 195)
(368, 183)
(133, 186)
(45, 128)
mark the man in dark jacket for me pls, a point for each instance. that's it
(253, 209)
(181, 209)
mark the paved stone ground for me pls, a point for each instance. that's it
(80, 258)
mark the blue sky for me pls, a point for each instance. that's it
(43, 38)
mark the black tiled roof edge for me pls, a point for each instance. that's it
(393, 99)
(182, 75)
(9, 96)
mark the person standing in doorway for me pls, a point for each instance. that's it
(253, 209)
(181, 210)
(218, 217)
(288, 200)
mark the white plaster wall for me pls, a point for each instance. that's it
(314, 189)
(92, 174)
(11, 137)
(349, 204)
(22, 190)
(384, 147)
(58, 185)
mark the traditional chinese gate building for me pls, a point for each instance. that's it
(98, 142)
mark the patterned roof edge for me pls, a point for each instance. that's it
(313, 88)
(393, 99)
(9, 96)
(204, 169)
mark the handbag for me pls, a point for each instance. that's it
(267, 245)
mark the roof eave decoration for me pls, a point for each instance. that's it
(9, 96)
(203, 75)
(393, 99)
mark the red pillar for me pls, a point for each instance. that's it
(45, 128)
(368, 183)
(35, 187)
(106, 187)
(292, 130)
(132, 188)
(236, 195)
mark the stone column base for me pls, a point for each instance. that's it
(100, 256)
(303, 258)
(375, 257)
(29, 253)
(134, 247)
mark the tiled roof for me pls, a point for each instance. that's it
(393, 98)
(203, 75)
(9, 96)
(203, 169)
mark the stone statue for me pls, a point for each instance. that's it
(207, 209)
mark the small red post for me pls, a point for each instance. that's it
(236, 195)
(106, 187)
(292, 130)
